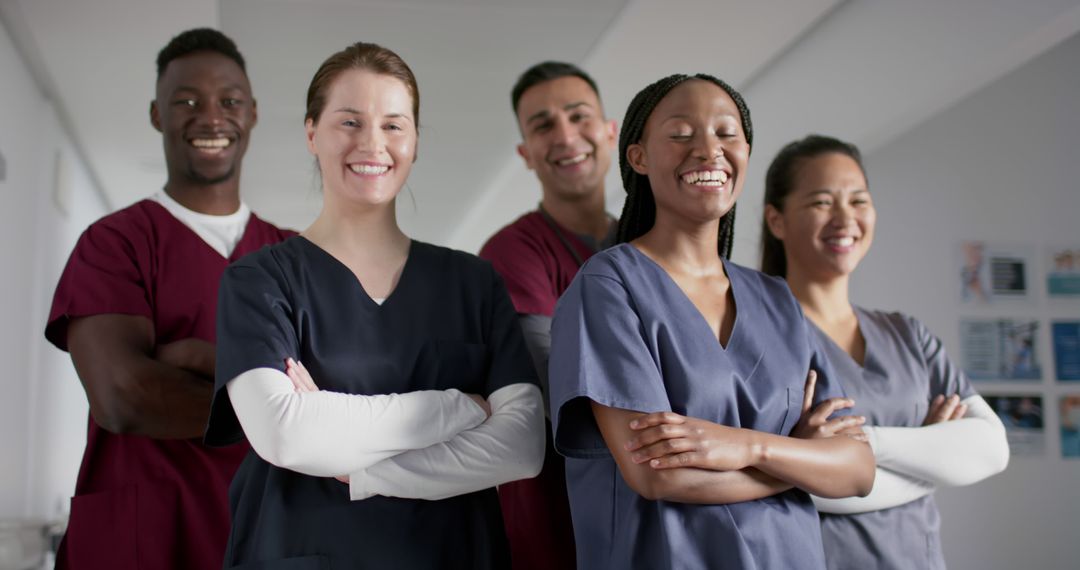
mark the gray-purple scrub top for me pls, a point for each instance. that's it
(904, 368)
(625, 336)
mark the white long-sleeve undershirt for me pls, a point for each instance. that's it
(912, 460)
(328, 434)
(890, 490)
(507, 447)
(948, 454)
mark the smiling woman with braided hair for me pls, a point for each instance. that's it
(679, 384)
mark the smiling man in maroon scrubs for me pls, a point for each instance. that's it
(136, 308)
(567, 141)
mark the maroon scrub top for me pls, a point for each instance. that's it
(141, 502)
(537, 267)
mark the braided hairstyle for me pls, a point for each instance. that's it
(639, 211)
(780, 181)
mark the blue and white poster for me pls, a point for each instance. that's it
(1023, 419)
(1066, 335)
(1001, 349)
(1063, 271)
(991, 273)
(1070, 426)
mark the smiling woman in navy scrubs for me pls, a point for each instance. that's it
(678, 378)
(925, 423)
(428, 400)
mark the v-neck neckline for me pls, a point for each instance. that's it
(369, 300)
(862, 332)
(733, 336)
(232, 254)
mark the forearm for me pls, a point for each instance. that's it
(708, 487)
(891, 489)
(128, 390)
(951, 453)
(507, 447)
(148, 398)
(330, 434)
(829, 467)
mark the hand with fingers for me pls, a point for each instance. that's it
(944, 409)
(301, 378)
(815, 423)
(191, 354)
(667, 440)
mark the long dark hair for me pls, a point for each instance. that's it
(780, 181)
(639, 211)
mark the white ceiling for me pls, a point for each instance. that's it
(868, 71)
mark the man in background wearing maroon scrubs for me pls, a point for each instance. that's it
(567, 142)
(136, 308)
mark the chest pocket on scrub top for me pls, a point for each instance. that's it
(462, 365)
(793, 411)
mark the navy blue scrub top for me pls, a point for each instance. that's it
(905, 367)
(626, 336)
(449, 323)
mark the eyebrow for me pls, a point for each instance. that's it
(193, 89)
(685, 117)
(353, 111)
(545, 113)
(830, 192)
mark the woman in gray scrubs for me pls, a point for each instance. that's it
(925, 423)
(678, 379)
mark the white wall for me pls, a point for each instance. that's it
(43, 412)
(999, 166)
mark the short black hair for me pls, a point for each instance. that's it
(195, 40)
(548, 71)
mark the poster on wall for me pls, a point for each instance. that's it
(1000, 349)
(1066, 335)
(1070, 426)
(991, 273)
(1063, 271)
(1023, 419)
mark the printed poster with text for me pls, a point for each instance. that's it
(1066, 335)
(1070, 426)
(1000, 349)
(1063, 271)
(992, 273)
(1023, 419)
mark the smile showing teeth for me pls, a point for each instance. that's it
(372, 169)
(706, 177)
(841, 241)
(572, 160)
(211, 144)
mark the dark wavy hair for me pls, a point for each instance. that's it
(639, 211)
(548, 71)
(780, 181)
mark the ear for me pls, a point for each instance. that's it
(525, 156)
(254, 113)
(635, 155)
(613, 132)
(155, 116)
(309, 129)
(774, 219)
